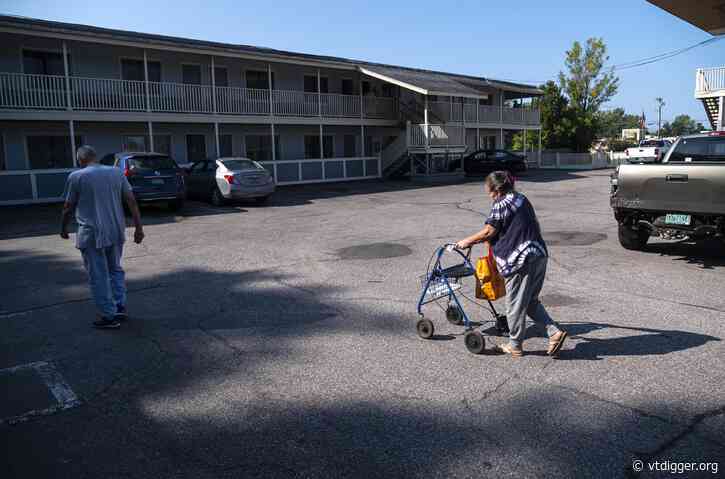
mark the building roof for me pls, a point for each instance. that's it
(423, 81)
(708, 15)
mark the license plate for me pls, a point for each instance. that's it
(674, 219)
(157, 181)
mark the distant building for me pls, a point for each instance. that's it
(632, 134)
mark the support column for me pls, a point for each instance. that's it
(146, 80)
(213, 94)
(319, 97)
(69, 105)
(478, 138)
(524, 142)
(216, 138)
(269, 84)
(501, 145)
(73, 145)
(720, 114)
(151, 136)
(322, 147)
(274, 153)
(539, 159)
(362, 140)
(425, 121)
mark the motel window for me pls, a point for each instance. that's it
(311, 84)
(191, 74)
(258, 79)
(37, 62)
(366, 88)
(132, 69)
(220, 76)
(372, 146)
(135, 143)
(259, 147)
(312, 146)
(46, 152)
(347, 87)
(387, 90)
(349, 146)
(195, 148)
(225, 146)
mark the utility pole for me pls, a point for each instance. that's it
(660, 103)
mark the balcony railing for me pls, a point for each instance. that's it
(20, 91)
(709, 80)
(438, 136)
(443, 111)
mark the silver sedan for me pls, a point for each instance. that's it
(229, 179)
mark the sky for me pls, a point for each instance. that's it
(520, 41)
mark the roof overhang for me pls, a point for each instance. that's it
(707, 15)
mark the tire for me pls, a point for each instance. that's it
(632, 239)
(217, 199)
(425, 328)
(176, 205)
(454, 315)
(474, 342)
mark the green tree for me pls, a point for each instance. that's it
(682, 125)
(587, 86)
(610, 123)
(556, 131)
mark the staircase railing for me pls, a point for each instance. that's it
(393, 151)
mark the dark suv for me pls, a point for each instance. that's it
(154, 177)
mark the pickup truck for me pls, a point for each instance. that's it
(681, 197)
(648, 151)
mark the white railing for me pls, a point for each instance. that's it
(295, 103)
(469, 112)
(489, 114)
(245, 101)
(180, 97)
(393, 151)
(105, 94)
(334, 105)
(18, 90)
(296, 172)
(437, 135)
(709, 80)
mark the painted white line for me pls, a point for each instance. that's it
(60, 389)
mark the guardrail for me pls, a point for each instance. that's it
(21, 91)
(296, 172)
(709, 80)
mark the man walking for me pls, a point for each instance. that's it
(95, 194)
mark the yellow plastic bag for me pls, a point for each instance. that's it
(489, 282)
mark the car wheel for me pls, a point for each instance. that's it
(632, 239)
(217, 199)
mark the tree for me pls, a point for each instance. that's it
(587, 87)
(684, 125)
(610, 123)
(556, 131)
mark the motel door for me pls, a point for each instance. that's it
(195, 148)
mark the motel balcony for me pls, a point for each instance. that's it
(48, 92)
(710, 90)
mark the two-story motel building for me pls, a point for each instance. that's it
(307, 118)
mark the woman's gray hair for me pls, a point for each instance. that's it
(85, 154)
(501, 182)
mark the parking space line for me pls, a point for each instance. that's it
(56, 384)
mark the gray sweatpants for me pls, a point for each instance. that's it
(522, 298)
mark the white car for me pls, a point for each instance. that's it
(229, 179)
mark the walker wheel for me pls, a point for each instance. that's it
(474, 342)
(454, 315)
(425, 328)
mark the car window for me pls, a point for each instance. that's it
(211, 166)
(699, 149)
(152, 163)
(235, 165)
(198, 166)
(652, 143)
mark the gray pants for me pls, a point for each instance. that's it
(522, 298)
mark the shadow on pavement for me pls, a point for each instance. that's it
(709, 254)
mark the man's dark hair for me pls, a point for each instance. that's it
(500, 181)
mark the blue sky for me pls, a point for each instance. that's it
(522, 40)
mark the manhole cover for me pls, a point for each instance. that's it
(374, 251)
(573, 238)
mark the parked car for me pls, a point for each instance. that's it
(684, 197)
(229, 179)
(154, 177)
(648, 151)
(485, 161)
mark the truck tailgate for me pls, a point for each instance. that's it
(687, 188)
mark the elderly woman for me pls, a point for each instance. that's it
(513, 232)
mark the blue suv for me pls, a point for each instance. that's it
(154, 177)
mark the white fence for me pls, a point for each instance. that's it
(574, 161)
(437, 136)
(709, 80)
(308, 171)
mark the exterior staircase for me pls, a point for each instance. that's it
(710, 89)
(712, 109)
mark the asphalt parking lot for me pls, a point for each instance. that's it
(279, 341)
